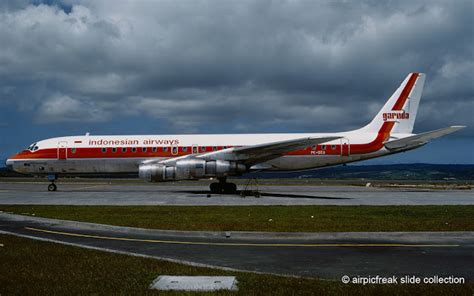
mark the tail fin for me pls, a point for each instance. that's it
(402, 106)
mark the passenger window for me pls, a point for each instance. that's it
(104, 150)
(323, 147)
(73, 150)
(333, 147)
(313, 147)
(124, 150)
(203, 149)
(134, 149)
(185, 149)
(144, 149)
(195, 149)
(214, 148)
(175, 150)
(114, 150)
(165, 149)
(154, 149)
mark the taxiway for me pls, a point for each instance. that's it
(116, 193)
(322, 255)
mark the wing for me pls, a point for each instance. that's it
(254, 154)
(264, 152)
(420, 139)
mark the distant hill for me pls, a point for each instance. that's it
(383, 172)
(372, 172)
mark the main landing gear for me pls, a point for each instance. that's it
(52, 186)
(223, 187)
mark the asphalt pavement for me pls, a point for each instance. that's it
(116, 193)
(321, 255)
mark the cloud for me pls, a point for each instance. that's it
(62, 108)
(235, 66)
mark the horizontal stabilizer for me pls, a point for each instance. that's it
(420, 139)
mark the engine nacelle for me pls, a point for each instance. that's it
(156, 172)
(189, 169)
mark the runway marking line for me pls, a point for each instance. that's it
(241, 244)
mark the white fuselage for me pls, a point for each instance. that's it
(124, 154)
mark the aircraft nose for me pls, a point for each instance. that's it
(9, 165)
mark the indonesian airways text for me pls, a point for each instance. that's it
(129, 142)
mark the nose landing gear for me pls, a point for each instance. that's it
(52, 186)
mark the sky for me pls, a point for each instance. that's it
(164, 67)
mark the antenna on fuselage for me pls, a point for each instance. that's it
(88, 134)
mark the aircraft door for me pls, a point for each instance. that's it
(345, 148)
(62, 150)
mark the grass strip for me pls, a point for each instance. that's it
(265, 218)
(30, 267)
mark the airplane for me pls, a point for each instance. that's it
(158, 158)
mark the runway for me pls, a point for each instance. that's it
(117, 193)
(324, 255)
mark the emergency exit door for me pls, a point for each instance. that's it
(345, 148)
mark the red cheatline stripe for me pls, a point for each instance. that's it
(406, 91)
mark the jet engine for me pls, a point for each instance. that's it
(188, 169)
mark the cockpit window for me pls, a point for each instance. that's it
(32, 147)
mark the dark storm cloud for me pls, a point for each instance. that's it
(258, 65)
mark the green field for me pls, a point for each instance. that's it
(266, 218)
(30, 267)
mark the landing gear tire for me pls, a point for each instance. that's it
(215, 188)
(52, 187)
(230, 188)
